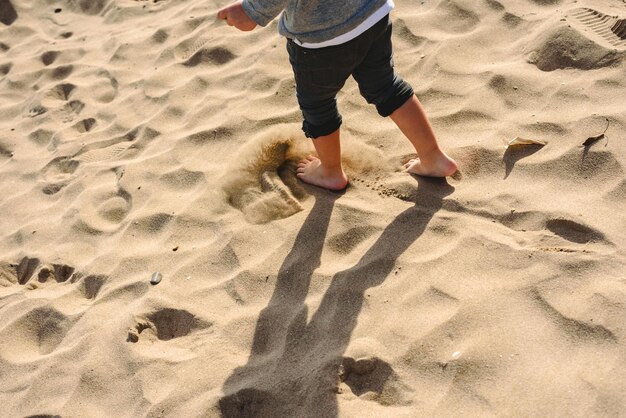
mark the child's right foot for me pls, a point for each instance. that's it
(442, 166)
(310, 170)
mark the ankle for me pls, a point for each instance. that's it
(332, 170)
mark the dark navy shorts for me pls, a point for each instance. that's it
(321, 73)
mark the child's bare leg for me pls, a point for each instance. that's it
(412, 121)
(325, 171)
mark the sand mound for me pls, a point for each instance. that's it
(565, 47)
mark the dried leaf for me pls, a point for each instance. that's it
(524, 141)
(592, 139)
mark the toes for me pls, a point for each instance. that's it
(311, 158)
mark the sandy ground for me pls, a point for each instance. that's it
(145, 136)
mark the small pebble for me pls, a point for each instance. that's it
(156, 278)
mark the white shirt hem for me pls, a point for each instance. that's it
(348, 36)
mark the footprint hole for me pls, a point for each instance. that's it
(160, 36)
(217, 56)
(62, 72)
(573, 231)
(49, 57)
(63, 91)
(5, 68)
(85, 125)
(41, 137)
(167, 324)
(26, 269)
(91, 285)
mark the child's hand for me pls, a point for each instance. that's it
(235, 16)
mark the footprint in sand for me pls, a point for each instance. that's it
(102, 209)
(71, 109)
(59, 98)
(373, 379)
(85, 125)
(558, 234)
(91, 7)
(32, 273)
(166, 324)
(61, 72)
(5, 68)
(215, 56)
(29, 268)
(109, 149)
(187, 48)
(608, 29)
(58, 95)
(8, 15)
(57, 174)
(104, 88)
(34, 335)
(49, 57)
(574, 232)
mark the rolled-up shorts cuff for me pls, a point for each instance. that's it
(327, 128)
(402, 93)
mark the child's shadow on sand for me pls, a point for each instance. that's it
(294, 364)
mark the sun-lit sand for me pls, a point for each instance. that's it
(145, 136)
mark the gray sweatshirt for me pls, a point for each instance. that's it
(312, 21)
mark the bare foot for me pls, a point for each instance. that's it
(310, 170)
(443, 166)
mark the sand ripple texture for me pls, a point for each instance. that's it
(142, 136)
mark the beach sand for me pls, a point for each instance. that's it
(146, 136)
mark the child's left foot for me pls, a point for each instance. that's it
(441, 166)
(310, 170)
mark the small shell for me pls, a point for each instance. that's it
(156, 278)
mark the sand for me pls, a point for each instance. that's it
(145, 136)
